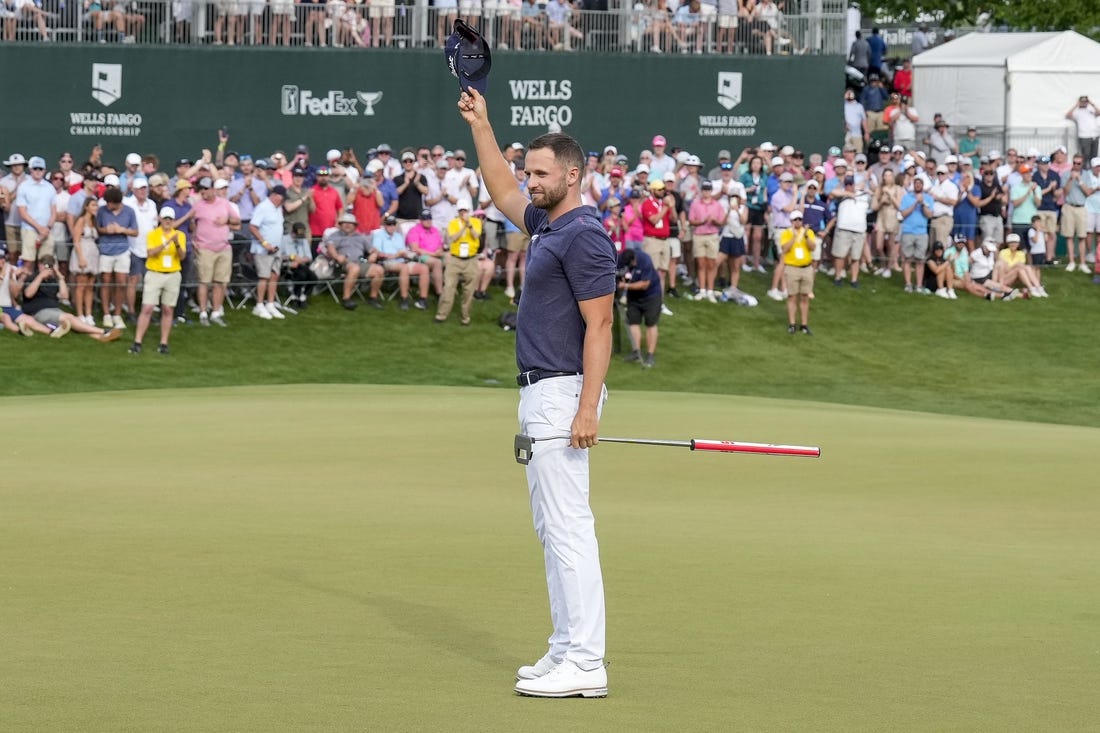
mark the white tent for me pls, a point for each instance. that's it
(1006, 80)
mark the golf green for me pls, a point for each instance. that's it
(361, 558)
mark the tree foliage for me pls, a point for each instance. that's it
(1082, 16)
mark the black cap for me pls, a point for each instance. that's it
(426, 214)
(468, 57)
(707, 186)
(302, 149)
(184, 161)
(389, 219)
(279, 189)
(299, 172)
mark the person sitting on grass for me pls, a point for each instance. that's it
(939, 273)
(12, 316)
(983, 260)
(352, 252)
(42, 293)
(1012, 266)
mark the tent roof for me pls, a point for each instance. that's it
(1064, 51)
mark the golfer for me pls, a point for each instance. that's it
(563, 348)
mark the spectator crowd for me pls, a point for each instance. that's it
(224, 228)
(686, 26)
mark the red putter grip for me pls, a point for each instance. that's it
(768, 449)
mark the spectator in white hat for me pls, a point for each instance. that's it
(17, 173)
(145, 209)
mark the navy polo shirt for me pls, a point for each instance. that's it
(644, 270)
(569, 260)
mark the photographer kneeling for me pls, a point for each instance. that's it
(642, 286)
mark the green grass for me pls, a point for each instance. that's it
(361, 558)
(1033, 360)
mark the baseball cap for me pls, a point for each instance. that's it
(897, 149)
(302, 149)
(1025, 169)
(279, 189)
(994, 155)
(724, 154)
(1094, 162)
(682, 157)
(834, 151)
(621, 159)
(1012, 238)
(1044, 159)
(796, 214)
(37, 161)
(989, 244)
(669, 176)
(167, 213)
(960, 238)
(15, 159)
(111, 180)
(182, 183)
(1033, 152)
(840, 163)
(516, 146)
(204, 182)
(951, 159)
(693, 160)
(333, 154)
(347, 218)
(138, 182)
(984, 160)
(425, 213)
(861, 158)
(965, 160)
(657, 185)
(464, 204)
(706, 186)
(941, 168)
(811, 183)
(302, 171)
(133, 159)
(617, 172)
(184, 161)
(220, 184)
(786, 150)
(440, 164)
(458, 153)
(849, 148)
(613, 201)
(468, 57)
(642, 168)
(158, 179)
(391, 219)
(777, 161)
(659, 140)
(820, 169)
(611, 149)
(384, 148)
(407, 155)
(767, 146)
(3, 249)
(786, 177)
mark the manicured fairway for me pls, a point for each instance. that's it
(361, 558)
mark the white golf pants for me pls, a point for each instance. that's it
(557, 478)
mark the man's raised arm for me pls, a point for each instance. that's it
(499, 178)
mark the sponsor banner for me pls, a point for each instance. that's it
(172, 101)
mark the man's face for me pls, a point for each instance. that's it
(247, 167)
(58, 180)
(347, 227)
(547, 180)
(38, 173)
(458, 162)
(407, 165)
(148, 167)
(141, 193)
(918, 184)
(322, 180)
(276, 199)
(18, 169)
(208, 194)
(849, 96)
(1010, 157)
(297, 179)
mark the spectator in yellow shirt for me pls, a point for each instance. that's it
(797, 246)
(463, 244)
(166, 247)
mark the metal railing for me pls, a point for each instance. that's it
(805, 27)
(1044, 139)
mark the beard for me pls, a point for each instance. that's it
(549, 198)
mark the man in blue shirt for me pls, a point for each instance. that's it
(115, 223)
(266, 228)
(916, 210)
(878, 50)
(563, 348)
(394, 257)
(34, 200)
(639, 281)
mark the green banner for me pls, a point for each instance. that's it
(171, 101)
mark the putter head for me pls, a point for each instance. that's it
(524, 446)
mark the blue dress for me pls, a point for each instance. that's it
(966, 215)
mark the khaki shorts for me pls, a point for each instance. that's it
(727, 21)
(941, 227)
(382, 9)
(706, 245)
(800, 280)
(266, 265)
(161, 288)
(1074, 222)
(119, 264)
(993, 227)
(214, 267)
(31, 249)
(658, 251)
(848, 244)
(14, 238)
(517, 242)
(1049, 219)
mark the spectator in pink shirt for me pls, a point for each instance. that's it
(632, 219)
(212, 215)
(707, 217)
(427, 243)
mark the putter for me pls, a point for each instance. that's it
(525, 446)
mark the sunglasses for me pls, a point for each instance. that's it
(57, 178)
(437, 155)
(66, 160)
(458, 157)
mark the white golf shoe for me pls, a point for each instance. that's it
(538, 669)
(566, 680)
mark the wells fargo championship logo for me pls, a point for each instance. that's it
(106, 88)
(729, 95)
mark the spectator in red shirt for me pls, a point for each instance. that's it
(656, 224)
(327, 205)
(903, 79)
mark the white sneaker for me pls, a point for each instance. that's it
(117, 322)
(1071, 267)
(538, 669)
(773, 294)
(665, 310)
(760, 269)
(218, 318)
(566, 680)
(951, 294)
(204, 318)
(274, 311)
(509, 292)
(107, 322)
(1083, 268)
(746, 268)
(886, 272)
(942, 293)
(261, 312)
(711, 297)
